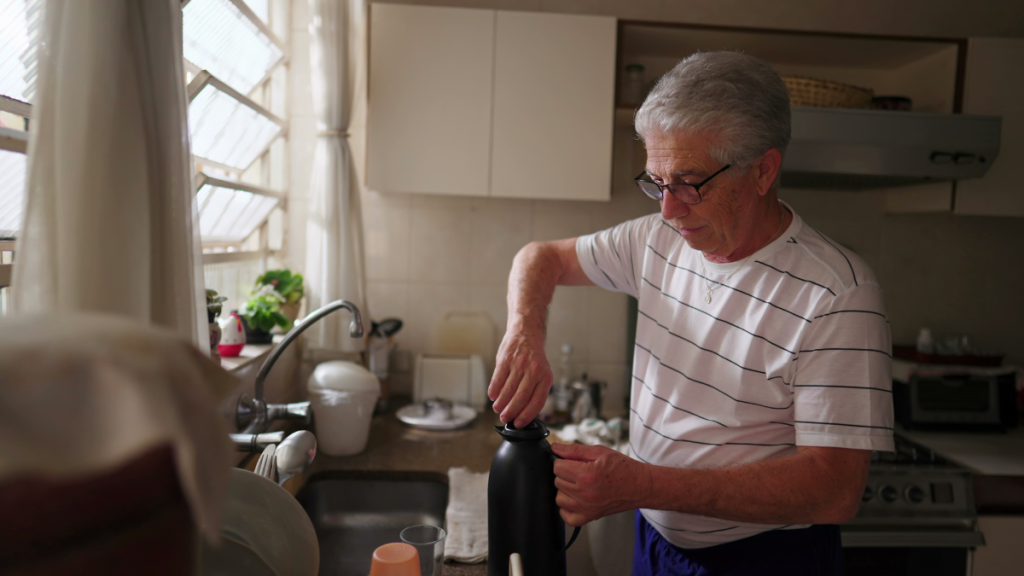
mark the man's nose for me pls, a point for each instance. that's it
(672, 208)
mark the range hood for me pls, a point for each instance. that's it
(836, 148)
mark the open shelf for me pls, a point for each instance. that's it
(924, 70)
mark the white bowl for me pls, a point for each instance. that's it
(271, 527)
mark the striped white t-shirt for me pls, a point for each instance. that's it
(793, 350)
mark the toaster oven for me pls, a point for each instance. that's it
(971, 399)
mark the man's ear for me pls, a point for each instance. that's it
(768, 170)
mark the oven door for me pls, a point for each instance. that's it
(885, 551)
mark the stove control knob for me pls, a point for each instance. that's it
(914, 494)
(868, 494)
(888, 494)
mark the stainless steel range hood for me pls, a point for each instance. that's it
(834, 148)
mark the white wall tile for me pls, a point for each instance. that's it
(300, 96)
(386, 229)
(568, 323)
(386, 300)
(500, 229)
(301, 147)
(608, 325)
(439, 246)
(426, 306)
(555, 220)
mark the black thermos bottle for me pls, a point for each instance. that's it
(522, 516)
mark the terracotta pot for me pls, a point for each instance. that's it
(291, 310)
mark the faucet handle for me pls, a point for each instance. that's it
(296, 411)
(256, 442)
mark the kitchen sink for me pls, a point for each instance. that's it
(354, 512)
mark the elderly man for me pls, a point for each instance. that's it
(761, 378)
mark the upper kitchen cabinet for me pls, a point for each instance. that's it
(994, 85)
(490, 103)
(429, 128)
(554, 101)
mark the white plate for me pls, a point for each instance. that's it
(268, 529)
(415, 415)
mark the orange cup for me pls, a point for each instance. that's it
(395, 559)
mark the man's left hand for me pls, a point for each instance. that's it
(595, 481)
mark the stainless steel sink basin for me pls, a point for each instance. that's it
(355, 512)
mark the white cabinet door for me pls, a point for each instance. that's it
(429, 111)
(554, 106)
(994, 85)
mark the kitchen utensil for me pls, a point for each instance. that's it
(268, 525)
(343, 396)
(395, 559)
(522, 516)
(429, 544)
(266, 466)
(294, 454)
(417, 416)
(461, 379)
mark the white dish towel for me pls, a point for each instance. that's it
(467, 516)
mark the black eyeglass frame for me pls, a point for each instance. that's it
(640, 181)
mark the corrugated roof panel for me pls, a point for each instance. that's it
(226, 131)
(12, 192)
(219, 38)
(227, 215)
(19, 30)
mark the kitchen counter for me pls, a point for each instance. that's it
(394, 446)
(987, 453)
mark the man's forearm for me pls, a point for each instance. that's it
(531, 285)
(800, 489)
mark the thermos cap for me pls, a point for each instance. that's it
(533, 431)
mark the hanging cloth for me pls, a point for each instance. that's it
(110, 213)
(334, 264)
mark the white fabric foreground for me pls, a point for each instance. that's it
(467, 516)
(83, 393)
(110, 200)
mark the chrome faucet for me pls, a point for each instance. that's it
(253, 415)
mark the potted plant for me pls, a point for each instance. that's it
(261, 313)
(289, 286)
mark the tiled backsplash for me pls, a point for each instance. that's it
(428, 255)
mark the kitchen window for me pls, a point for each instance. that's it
(235, 55)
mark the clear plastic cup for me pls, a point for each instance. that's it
(429, 542)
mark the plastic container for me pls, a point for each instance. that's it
(342, 396)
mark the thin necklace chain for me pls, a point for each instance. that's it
(711, 289)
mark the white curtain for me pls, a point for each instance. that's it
(110, 222)
(334, 265)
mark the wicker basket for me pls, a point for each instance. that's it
(814, 92)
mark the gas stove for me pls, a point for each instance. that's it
(914, 497)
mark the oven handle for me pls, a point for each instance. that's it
(911, 539)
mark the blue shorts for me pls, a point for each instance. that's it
(814, 551)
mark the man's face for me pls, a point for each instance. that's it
(713, 225)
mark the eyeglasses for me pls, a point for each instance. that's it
(685, 193)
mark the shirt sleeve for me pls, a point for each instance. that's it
(842, 386)
(612, 258)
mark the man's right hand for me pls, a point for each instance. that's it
(522, 378)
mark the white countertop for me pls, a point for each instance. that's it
(989, 453)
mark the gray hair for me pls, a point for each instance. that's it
(738, 100)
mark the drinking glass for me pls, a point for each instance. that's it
(429, 542)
